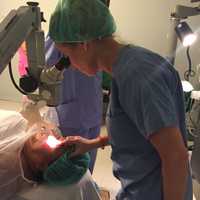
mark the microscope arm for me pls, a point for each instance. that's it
(24, 24)
(19, 25)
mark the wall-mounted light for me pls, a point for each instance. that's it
(187, 86)
(185, 34)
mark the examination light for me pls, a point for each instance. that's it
(187, 86)
(185, 34)
(52, 142)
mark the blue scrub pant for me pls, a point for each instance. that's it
(89, 133)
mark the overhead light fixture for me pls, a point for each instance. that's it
(185, 34)
(187, 86)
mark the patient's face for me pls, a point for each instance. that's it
(38, 153)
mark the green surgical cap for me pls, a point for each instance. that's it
(66, 170)
(80, 20)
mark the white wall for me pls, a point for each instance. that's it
(147, 23)
(141, 22)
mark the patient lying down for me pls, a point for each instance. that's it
(27, 159)
(53, 165)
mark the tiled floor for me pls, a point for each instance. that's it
(103, 168)
(103, 172)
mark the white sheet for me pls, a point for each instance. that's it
(83, 190)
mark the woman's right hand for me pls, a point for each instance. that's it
(81, 145)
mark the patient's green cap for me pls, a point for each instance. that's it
(80, 20)
(66, 170)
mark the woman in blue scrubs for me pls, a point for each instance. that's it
(147, 130)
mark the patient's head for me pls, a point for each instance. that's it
(52, 165)
(38, 155)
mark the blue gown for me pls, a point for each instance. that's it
(80, 108)
(146, 95)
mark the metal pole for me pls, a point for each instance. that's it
(173, 40)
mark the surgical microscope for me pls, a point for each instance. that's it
(24, 24)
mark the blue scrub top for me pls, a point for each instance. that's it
(146, 95)
(81, 95)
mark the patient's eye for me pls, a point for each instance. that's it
(37, 138)
(33, 139)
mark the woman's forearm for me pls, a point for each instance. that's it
(173, 153)
(175, 174)
(101, 142)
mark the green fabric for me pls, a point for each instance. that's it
(106, 81)
(80, 21)
(66, 171)
(104, 1)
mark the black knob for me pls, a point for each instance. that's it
(63, 63)
(31, 3)
(42, 17)
(28, 83)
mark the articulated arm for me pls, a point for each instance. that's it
(24, 24)
(19, 25)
